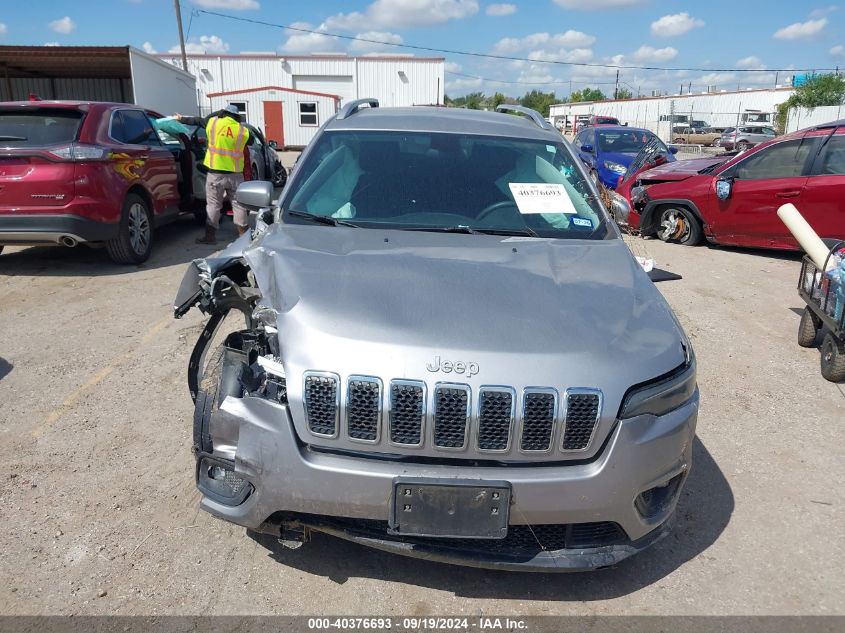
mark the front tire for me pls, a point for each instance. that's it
(134, 241)
(833, 359)
(742, 146)
(808, 329)
(678, 224)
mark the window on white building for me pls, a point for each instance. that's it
(241, 106)
(307, 113)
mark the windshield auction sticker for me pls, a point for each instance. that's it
(532, 197)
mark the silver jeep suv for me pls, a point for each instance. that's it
(449, 352)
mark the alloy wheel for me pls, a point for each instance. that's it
(139, 228)
(673, 226)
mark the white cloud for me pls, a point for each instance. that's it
(576, 55)
(51, 44)
(597, 5)
(820, 13)
(148, 48)
(674, 25)
(463, 85)
(206, 44)
(369, 47)
(751, 62)
(452, 67)
(499, 10)
(403, 14)
(801, 30)
(301, 43)
(64, 25)
(3, 29)
(546, 41)
(236, 5)
(838, 51)
(646, 53)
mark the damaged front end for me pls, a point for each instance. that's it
(245, 363)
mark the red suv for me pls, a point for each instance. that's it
(74, 172)
(734, 200)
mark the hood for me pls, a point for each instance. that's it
(524, 312)
(680, 170)
(623, 158)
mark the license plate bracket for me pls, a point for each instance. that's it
(450, 508)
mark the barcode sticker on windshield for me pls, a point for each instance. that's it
(531, 197)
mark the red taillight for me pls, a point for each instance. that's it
(77, 152)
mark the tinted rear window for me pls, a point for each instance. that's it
(38, 127)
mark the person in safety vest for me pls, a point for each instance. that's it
(227, 160)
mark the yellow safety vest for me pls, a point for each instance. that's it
(226, 141)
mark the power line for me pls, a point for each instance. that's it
(447, 51)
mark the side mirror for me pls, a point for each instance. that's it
(273, 144)
(255, 194)
(673, 150)
(723, 189)
(587, 148)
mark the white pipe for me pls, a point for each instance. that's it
(806, 236)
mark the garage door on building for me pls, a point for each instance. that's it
(340, 85)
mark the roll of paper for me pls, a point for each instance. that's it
(805, 235)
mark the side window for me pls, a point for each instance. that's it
(135, 129)
(579, 140)
(833, 161)
(116, 128)
(307, 113)
(782, 160)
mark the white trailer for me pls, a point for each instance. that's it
(95, 73)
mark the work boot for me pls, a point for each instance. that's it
(210, 236)
(241, 229)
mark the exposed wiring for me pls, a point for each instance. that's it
(448, 51)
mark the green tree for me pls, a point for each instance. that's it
(498, 99)
(624, 93)
(818, 91)
(587, 94)
(539, 101)
(474, 100)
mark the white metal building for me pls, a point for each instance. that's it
(660, 114)
(253, 80)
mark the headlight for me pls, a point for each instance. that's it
(663, 395)
(638, 196)
(616, 168)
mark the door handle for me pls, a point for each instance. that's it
(788, 194)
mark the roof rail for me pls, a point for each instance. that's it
(526, 112)
(353, 106)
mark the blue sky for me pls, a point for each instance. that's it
(756, 35)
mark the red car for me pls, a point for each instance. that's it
(80, 172)
(734, 199)
(597, 119)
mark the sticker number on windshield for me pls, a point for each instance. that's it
(533, 197)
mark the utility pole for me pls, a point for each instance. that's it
(776, 79)
(616, 89)
(181, 34)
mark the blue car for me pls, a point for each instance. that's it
(607, 150)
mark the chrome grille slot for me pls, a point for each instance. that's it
(495, 418)
(363, 408)
(407, 412)
(322, 401)
(539, 410)
(583, 407)
(451, 414)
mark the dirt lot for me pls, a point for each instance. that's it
(99, 510)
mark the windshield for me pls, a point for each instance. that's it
(37, 127)
(627, 141)
(433, 181)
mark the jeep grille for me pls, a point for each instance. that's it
(494, 420)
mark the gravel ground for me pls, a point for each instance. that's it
(99, 510)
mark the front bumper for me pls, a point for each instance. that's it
(52, 228)
(290, 479)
